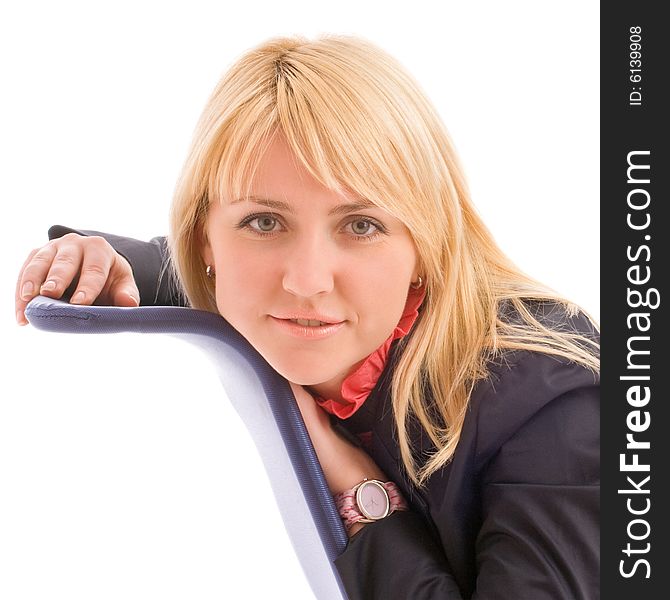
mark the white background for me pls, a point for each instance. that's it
(119, 455)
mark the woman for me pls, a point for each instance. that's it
(323, 213)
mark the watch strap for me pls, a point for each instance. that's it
(351, 513)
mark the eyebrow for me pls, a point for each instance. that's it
(340, 209)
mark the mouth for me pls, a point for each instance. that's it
(308, 319)
(308, 328)
(309, 322)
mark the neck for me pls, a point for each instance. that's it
(332, 389)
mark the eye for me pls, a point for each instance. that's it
(265, 223)
(361, 227)
(365, 228)
(261, 224)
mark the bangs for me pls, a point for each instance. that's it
(347, 130)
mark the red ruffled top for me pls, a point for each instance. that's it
(357, 386)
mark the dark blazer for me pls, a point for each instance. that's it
(515, 513)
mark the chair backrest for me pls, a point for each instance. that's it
(266, 405)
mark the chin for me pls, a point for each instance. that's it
(305, 373)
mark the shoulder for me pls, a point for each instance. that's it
(553, 315)
(534, 405)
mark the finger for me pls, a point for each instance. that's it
(123, 289)
(95, 271)
(21, 289)
(33, 275)
(63, 269)
(125, 293)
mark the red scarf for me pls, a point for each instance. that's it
(357, 386)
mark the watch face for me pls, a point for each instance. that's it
(372, 500)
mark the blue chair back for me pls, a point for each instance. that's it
(266, 405)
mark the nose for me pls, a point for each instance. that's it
(309, 267)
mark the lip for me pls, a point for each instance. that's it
(307, 333)
(314, 316)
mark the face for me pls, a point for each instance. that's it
(314, 280)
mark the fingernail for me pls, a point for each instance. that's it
(27, 290)
(49, 286)
(78, 298)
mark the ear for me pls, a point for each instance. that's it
(418, 269)
(204, 245)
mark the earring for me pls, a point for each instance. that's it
(209, 271)
(418, 284)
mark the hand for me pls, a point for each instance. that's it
(344, 465)
(104, 275)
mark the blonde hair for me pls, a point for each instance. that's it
(359, 123)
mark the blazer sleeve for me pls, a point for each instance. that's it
(397, 557)
(149, 261)
(539, 533)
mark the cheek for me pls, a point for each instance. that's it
(381, 292)
(242, 281)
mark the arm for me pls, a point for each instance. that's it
(149, 262)
(539, 533)
(87, 266)
(396, 558)
(411, 563)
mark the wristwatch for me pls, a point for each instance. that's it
(370, 500)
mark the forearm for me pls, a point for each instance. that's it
(396, 557)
